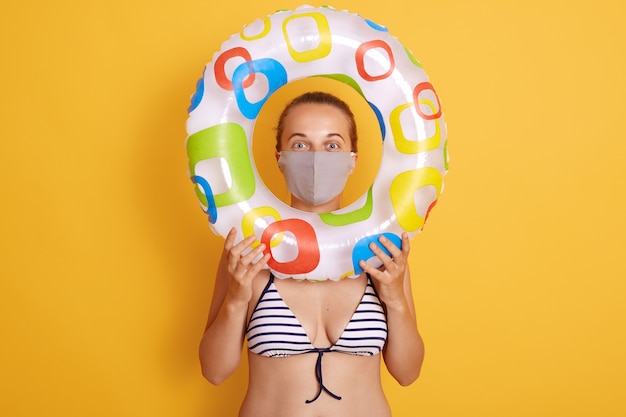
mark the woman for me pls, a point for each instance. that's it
(313, 348)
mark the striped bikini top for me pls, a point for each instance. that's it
(274, 330)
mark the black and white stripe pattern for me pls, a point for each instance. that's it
(274, 330)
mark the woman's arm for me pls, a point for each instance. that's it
(220, 348)
(404, 350)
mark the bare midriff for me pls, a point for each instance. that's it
(280, 387)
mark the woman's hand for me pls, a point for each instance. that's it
(220, 349)
(390, 278)
(404, 350)
(241, 267)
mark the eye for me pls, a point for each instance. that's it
(333, 146)
(299, 146)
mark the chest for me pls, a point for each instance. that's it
(323, 309)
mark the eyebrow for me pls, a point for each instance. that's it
(297, 134)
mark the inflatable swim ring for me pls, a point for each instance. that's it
(292, 45)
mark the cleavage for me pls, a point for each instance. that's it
(323, 309)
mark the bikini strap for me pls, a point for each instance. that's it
(267, 286)
(318, 375)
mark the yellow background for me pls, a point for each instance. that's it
(107, 263)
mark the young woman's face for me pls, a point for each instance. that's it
(316, 127)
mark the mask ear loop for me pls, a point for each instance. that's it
(353, 155)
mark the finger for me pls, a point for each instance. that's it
(393, 249)
(254, 253)
(247, 269)
(406, 246)
(260, 264)
(381, 254)
(246, 252)
(400, 254)
(240, 247)
(369, 269)
(230, 239)
(235, 254)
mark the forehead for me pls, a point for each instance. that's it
(312, 115)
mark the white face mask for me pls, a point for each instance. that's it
(316, 177)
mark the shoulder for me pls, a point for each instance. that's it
(259, 282)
